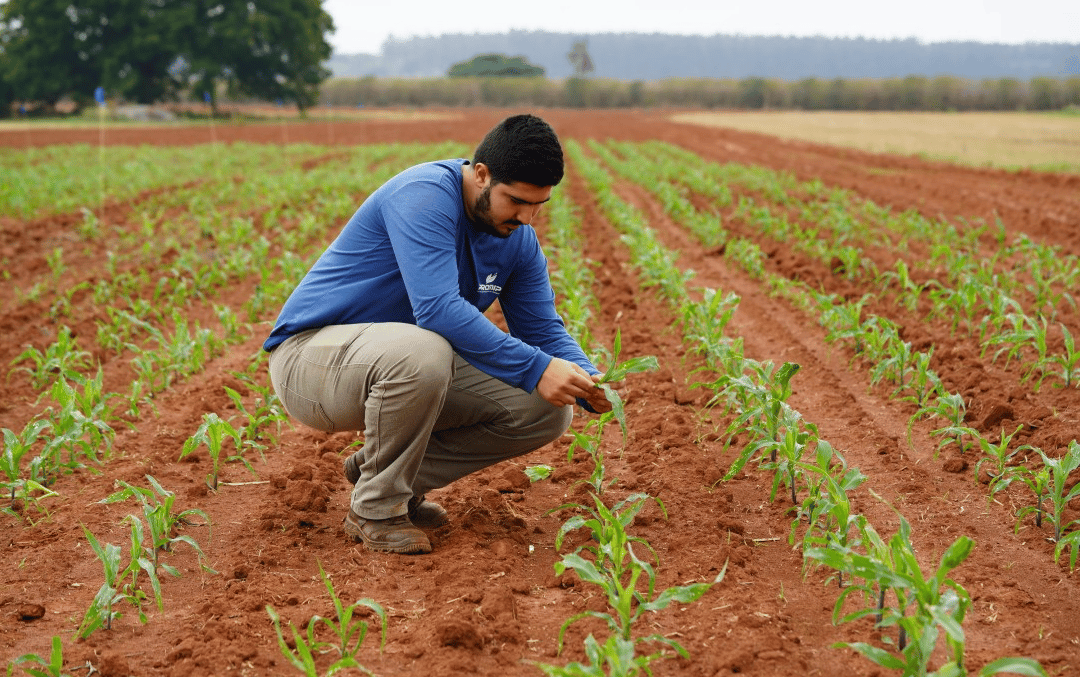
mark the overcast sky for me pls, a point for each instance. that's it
(363, 26)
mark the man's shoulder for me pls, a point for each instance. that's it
(436, 171)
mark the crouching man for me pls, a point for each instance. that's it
(386, 333)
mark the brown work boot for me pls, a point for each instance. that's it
(352, 468)
(396, 534)
(425, 514)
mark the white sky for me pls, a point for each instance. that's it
(363, 25)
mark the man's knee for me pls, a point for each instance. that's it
(429, 359)
(551, 422)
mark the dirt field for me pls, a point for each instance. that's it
(486, 601)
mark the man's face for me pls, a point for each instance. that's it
(502, 207)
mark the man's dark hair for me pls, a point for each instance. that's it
(522, 148)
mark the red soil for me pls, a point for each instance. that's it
(486, 601)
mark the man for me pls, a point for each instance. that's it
(386, 333)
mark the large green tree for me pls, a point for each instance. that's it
(45, 55)
(270, 49)
(148, 50)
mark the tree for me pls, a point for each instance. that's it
(270, 49)
(148, 50)
(495, 65)
(45, 51)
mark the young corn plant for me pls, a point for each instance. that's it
(1065, 366)
(998, 457)
(1058, 490)
(80, 423)
(937, 604)
(1038, 481)
(63, 358)
(618, 571)
(101, 613)
(350, 634)
(31, 488)
(38, 666)
(953, 409)
(616, 372)
(162, 519)
(261, 424)
(827, 508)
(213, 433)
(765, 415)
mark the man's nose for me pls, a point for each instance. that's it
(527, 213)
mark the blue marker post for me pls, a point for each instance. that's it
(284, 126)
(330, 122)
(99, 96)
(210, 106)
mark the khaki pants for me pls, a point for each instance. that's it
(428, 416)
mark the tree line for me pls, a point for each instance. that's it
(148, 51)
(659, 56)
(911, 93)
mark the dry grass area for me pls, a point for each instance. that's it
(1011, 140)
(246, 113)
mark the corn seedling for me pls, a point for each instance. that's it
(37, 666)
(1038, 481)
(349, 633)
(263, 422)
(61, 358)
(213, 432)
(998, 456)
(618, 571)
(157, 505)
(765, 414)
(827, 509)
(1067, 364)
(31, 489)
(1057, 488)
(80, 422)
(951, 408)
(101, 613)
(937, 603)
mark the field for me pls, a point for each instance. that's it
(929, 308)
(1005, 140)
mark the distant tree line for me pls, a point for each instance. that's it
(147, 51)
(659, 56)
(912, 93)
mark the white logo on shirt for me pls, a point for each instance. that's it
(490, 288)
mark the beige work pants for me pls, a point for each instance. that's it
(428, 416)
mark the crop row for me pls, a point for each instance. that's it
(777, 437)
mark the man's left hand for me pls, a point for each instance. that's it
(596, 398)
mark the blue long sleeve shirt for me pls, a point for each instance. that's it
(410, 254)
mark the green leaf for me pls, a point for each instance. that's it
(1016, 666)
(879, 656)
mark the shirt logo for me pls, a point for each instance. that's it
(488, 287)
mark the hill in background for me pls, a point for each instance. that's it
(657, 56)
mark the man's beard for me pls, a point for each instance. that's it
(481, 215)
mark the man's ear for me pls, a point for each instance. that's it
(481, 175)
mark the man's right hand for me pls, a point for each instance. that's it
(563, 382)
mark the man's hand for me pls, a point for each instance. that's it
(563, 382)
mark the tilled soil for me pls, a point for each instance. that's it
(487, 601)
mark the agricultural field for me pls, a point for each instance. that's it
(1005, 140)
(855, 453)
